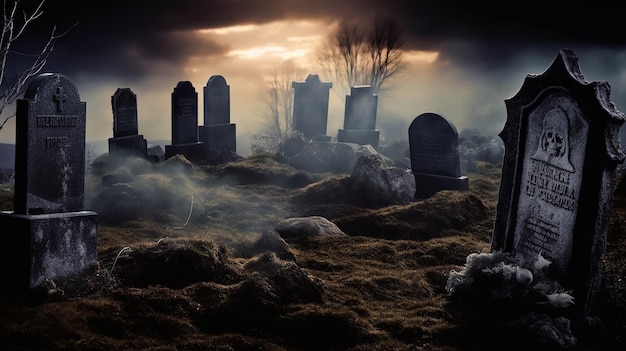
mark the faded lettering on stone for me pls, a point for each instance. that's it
(551, 180)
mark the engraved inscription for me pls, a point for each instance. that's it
(57, 142)
(432, 153)
(53, 121)
(541, 233)
(550, 184)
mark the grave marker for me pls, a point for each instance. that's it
(562, 149)
(185, 124)
(434, 149)
(50, 235)
(218, 133)
(126, 139)
(360, 118)
(310, 107)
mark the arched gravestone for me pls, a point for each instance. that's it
(126, 139)
(217, 132)
(310, 107)
(562, 149)
(185, 124)
(50, 147)
(50, 235)
(434, 149)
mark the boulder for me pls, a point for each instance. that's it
(324, 157)
(375, 182)
(298, 227)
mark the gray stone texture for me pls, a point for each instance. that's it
(359, 122)
(126, 140)
(562, 149)
(310, 107)
(50, 147)
(52, 238)
(217, 132)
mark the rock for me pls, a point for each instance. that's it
(375, 182)
(299, 227)
(323, 157)
(271, 241)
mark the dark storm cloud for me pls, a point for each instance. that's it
(488, 34)
(107, 34)
(119, 37)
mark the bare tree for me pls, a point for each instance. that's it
(363, 54)
(278, 99)
(14, 24)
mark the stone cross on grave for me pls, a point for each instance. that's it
(51, 236)
(60, 97)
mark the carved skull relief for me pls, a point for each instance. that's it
(553, 145)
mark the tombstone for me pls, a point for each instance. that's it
(185, 124)
(218, 133)
(126, 139)
(562, 149)
(360, 118)
(310, 107)
(434, 149)
(50, 235)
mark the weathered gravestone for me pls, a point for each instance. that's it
(218, 133)
(360, 118)
(310, 107)
(434, 149)
(562, 148)
(126, 139)
(50, 235)
(185, 124)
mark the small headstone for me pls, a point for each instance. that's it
(185, 124)
(562, 149)
(360, 118)
(218, 133)
(126, 139)
(52, 236)
(216, 101)
(310, 107)
(184, 114)
(434, 149)
(124, 104)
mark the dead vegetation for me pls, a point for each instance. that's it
(174, 277)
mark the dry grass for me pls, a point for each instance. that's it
(181, 284)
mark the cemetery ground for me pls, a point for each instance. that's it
(200, 258)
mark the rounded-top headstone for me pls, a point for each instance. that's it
(184, 87)
(216, 81)
(53, 92)
(50, 147)
(433, 142)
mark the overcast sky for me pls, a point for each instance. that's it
(464, 58)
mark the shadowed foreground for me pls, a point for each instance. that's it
(190, 259)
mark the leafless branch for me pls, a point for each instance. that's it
(356, 54)
(12, 30)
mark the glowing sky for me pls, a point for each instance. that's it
(464, 58)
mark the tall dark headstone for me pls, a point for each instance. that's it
(184, 114)
(434, 149)
(218, 133)
(50, 234)
(562, 149)
(310, 107)
(360, 118)
(185, 124)
(126, 139)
